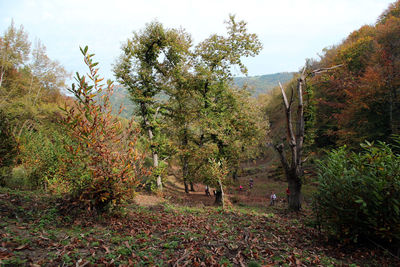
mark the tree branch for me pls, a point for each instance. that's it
(321, 70)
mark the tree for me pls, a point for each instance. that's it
(145, 68)
(14, 49)
(46, 73)
(293, 166)
(294, 169)
(214, 60)
(181, 117)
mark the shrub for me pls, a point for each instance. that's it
(40, 155)
(8, 148)
(359, 194)
(104, 164)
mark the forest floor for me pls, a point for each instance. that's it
(175, 229)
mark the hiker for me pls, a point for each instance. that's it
(287, 194)
(273, 199)
(208, 191)
(240, 188)
(251, 183)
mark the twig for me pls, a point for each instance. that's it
(185, 254)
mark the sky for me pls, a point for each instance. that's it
(290, 30)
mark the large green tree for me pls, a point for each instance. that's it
(215, 58)
(208, 120)
(146, 66)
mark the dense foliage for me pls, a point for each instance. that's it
(203, 116)
(30, 95)
(360, 100)
(358, 195)
(8, 149)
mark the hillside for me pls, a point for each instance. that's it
(177, 230)
(263, 83)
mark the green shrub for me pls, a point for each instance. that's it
(41, 153)
(8, 148)
(359, 194)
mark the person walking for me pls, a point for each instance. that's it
(287, 194)
(273, 199)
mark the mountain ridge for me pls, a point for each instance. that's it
(259, 84)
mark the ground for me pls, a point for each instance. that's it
(174, 229)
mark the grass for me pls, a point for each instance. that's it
(32, 231)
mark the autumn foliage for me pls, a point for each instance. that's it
(104, 164)
(361, 100)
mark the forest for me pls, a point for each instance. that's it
(179, 162)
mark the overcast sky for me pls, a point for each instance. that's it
(290, 30)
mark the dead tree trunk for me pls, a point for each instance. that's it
(294, 167)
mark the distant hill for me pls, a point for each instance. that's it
(256, 84)
(263, 83)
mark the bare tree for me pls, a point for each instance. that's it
(295, 137)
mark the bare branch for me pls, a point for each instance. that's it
(321, 70)
(291, 138)
(285, 101)
(291, 97)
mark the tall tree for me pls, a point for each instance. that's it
(215, 58)
(46, 74)
(146, 66)
(14, 49)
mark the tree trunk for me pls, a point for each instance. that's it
(185, 171)
(234, 174)
(192, 187)
(186, 186)
(155, 164)
(37, 95)
(295, 194)
(1, 75)
(185, 159)
(294, 168)
(155, 156)
(219, 195)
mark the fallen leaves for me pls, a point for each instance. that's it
(173, 236)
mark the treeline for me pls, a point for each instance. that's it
(30, 96)
(358, 100)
